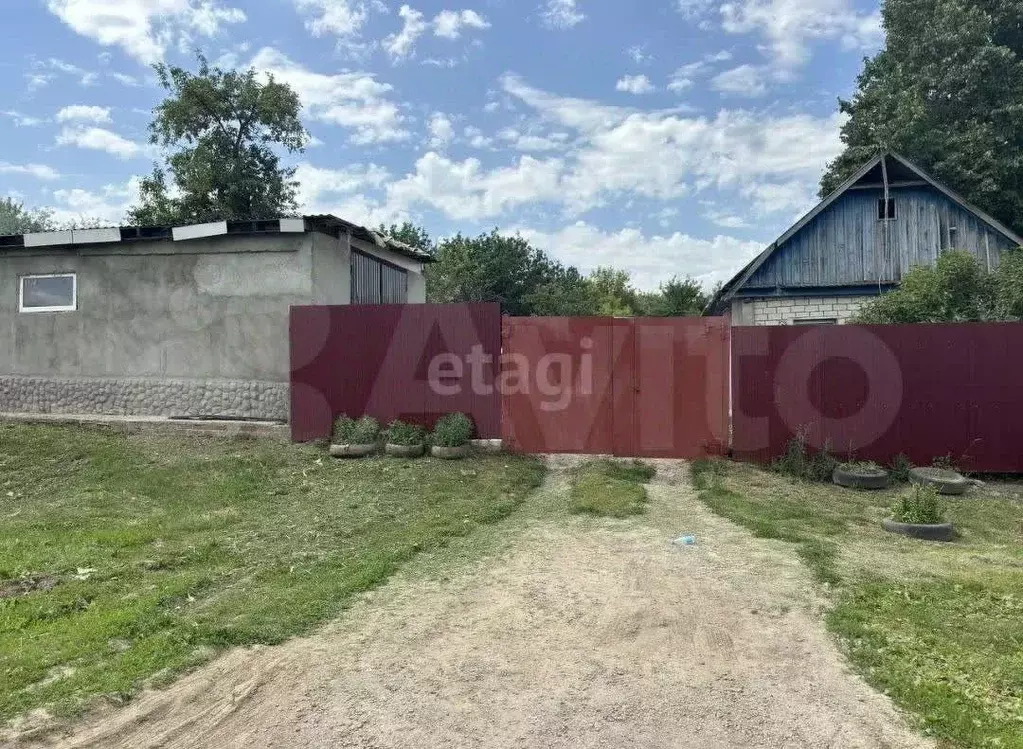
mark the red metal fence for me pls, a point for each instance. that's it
(413, 362)
(653, 387)
(874, 392)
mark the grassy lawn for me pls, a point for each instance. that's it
(939, 627)
(126, 559)
(610, 488)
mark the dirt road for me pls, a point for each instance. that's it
(578, 633)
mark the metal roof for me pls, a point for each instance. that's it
(324, 223)
(735, 282)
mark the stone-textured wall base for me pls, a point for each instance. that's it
(144, 397)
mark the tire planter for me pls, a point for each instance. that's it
(936, 532)
(404, 451)
(450, 453)
(353, 451)
(946, 482)
(861, 478)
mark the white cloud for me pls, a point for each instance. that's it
(145, 29)
(400, 45)
(663, 155)
(561, 14)
(685, 76)
(343, 18)
(533, 142)
(355, 100)
(477, 139)
(23, 120)
(745, 80)
(464, 190)
(109, 204)
(638, 54)
(449, 23)
(442, 131)
(39, 171)
(790, 25)
(316, 184)
(587, 247)
(125, 79)
(84, 113)
(100, 139)
(634, 84)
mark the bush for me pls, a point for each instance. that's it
(800, 464)
(453, 430)
(400, 433)
(900, 468)
(348, 431)
(918, 505)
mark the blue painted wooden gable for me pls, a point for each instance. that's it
(847, 245)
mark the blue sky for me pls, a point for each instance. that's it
(662, 136)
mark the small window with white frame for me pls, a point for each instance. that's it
(52, 292)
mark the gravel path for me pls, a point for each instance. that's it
(581, 633)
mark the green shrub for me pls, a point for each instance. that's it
(862, 465)
(918, 505)
(400, 433)
(800, 464)
(453, 430)
(900, 469)
(348, 431)
(945, 463)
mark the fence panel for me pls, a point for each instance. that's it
(873, 392)
(645, 387)
(413, 362)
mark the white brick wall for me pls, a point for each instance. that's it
(771, 311)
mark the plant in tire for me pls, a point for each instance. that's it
(918, 506)
(407, 435)
(453, 430)
(348, 431)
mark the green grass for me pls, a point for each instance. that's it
(610, 488)
(165, 550)
(939, 627)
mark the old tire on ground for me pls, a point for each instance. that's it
(856, 477)
(926, 532)
(404, 451)
(353, 451)
(450, 453)
(946, 482)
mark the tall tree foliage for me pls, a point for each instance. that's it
(15, 218)
(947, 92)
(526, 281)
(225, 129)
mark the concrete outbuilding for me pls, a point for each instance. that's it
(184, 321)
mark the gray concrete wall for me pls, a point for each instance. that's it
(166, 328)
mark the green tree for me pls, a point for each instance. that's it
(225, 129)
(947, 92)
(565, 293)
(614, 292)
(497, 268)
(679, 297)
(411, 234)
(15, 218)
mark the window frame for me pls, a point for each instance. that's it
(73, 307)
(891, 212)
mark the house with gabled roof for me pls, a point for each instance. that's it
(858, 242)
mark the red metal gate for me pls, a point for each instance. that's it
(645, 387)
